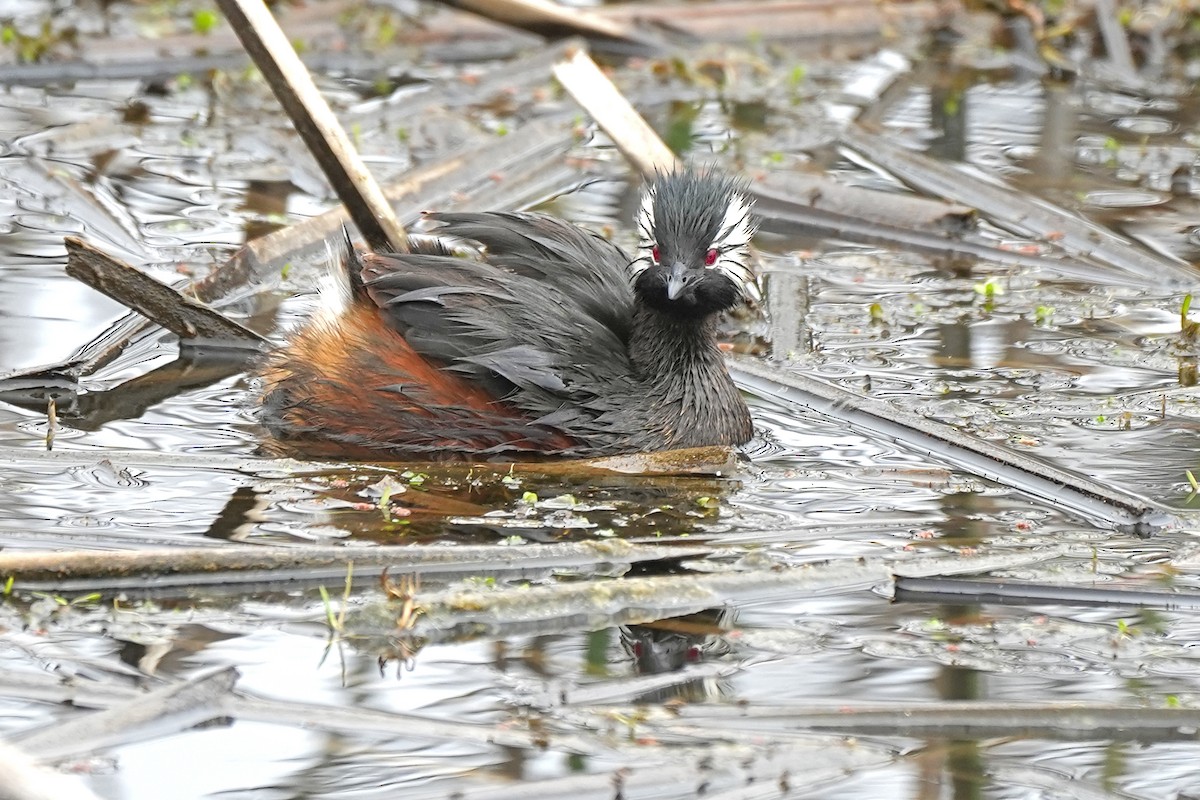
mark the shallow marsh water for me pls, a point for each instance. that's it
(1092, 377)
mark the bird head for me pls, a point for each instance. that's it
(694, 231)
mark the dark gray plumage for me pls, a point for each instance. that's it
(555, 325)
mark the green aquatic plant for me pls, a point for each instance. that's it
(60, 600)
(204, 20)
(34, 47)
(1187, 328)
(337, 621)
(988, 291)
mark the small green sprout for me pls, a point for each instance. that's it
(1187, 328)
(989, 289)
(204, 20)
(330, 617)
(414, 478)
(337, 621)
(386, 32)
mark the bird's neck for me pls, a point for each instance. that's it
(663, 345)
(687, 397)
(687, 386)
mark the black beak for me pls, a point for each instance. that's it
(680, 278)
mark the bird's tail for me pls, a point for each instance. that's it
(342, 283)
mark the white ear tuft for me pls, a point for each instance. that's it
(644, 222)
(733, 242)
(737, 227)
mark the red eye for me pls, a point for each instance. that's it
(655, 254)
(710, 257)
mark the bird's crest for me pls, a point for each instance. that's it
(701, 211)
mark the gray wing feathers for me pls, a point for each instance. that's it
(541, 320)
(586, 267)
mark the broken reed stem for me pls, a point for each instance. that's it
(556, 21)
(127, 721)
(133, 288)
(1101, 504)
(597, 95)
(40, 566)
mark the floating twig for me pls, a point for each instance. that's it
(797, 21)
(592, 90)
(1099, 503)
(782, 213)
(693, 461)
(181, 315)
(1019, 212)
(185, 566)
(601, 603)
(953, 719)
(185, 704)
(1011, 593)
(897, 209)
(557, 22)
